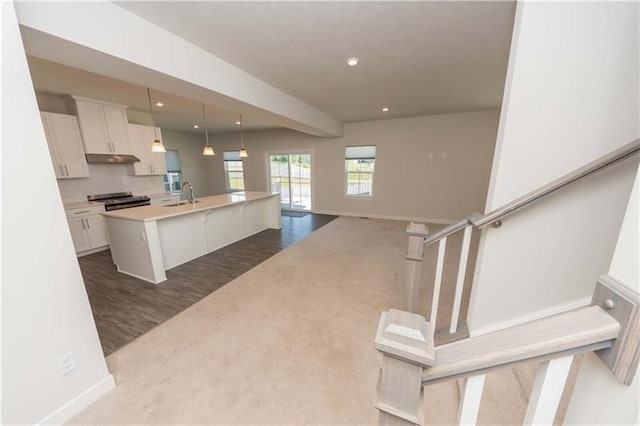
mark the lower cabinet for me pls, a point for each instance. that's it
(88, 230)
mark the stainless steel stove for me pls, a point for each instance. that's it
(120, 200)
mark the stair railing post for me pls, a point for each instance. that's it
(415, 256)
(406, 343)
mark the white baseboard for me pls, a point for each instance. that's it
(80, 402)
(554, 310)
(387, 217)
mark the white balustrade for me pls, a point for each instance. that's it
(547, 391)
(442, 246)
(462, 269)
(470, 399)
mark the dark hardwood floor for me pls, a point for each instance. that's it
(125, 308)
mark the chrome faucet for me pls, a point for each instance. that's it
(192, 198)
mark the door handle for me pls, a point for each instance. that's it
(66, 170)
(61, 170)
(82, 222)
(88, 226)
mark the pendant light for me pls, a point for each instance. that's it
(243, 152)
(157, 145)
(208, 149)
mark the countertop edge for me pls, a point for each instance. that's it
(185, 210)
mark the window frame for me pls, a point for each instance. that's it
(286, 152)
(167, 181)
(226, 162)
(348, 158)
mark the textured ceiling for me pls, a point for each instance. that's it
(417, 58)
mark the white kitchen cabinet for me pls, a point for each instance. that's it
(103, 126)
(65, 145)
(79, 234)
(88, 230)
(141, 137)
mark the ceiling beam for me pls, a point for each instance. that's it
(106, 39)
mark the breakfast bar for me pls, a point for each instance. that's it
(147, 241)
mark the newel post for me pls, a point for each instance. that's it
(406, 343)
(415, 256)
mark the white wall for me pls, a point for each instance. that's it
(595, 380)
(407, 184)
(571, 96)
(45, 310)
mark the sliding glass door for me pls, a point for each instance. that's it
(290, 175)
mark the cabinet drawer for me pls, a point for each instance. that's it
(84, 211)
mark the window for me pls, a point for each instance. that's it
(173, 178)
(233, 170)
(359, 165)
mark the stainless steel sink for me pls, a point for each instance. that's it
(180, 203)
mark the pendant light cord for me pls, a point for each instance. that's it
(153, 121)
(206, 130)
(241, 138)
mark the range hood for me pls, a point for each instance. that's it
(111, 158)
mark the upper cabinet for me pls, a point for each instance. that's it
(141, 137)
(65, 145)
(103, 126)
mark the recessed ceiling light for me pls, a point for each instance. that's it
(238, 122)
(352, 62)
(385, 109)
(159, 104)
(195, 126)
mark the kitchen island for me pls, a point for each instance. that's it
(147, 241)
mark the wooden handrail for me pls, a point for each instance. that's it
(583, 330)
(609, 327)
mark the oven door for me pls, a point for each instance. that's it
(121, 206)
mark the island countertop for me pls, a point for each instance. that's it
(158, 212)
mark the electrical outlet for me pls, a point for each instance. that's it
(66, 363)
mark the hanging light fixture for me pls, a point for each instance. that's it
(208, 149)
(243, 152)
(157, 145)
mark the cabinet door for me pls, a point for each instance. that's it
(116, 122)
(69, 145)
(53, 149)
(79, 234)
(92, 126)
(97, 231)
(137, 134)
(141, 137)
(254, 217)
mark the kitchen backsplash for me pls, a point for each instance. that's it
(107, 178)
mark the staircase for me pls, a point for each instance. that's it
(528, 369)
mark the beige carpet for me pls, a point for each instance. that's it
(289, 342)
